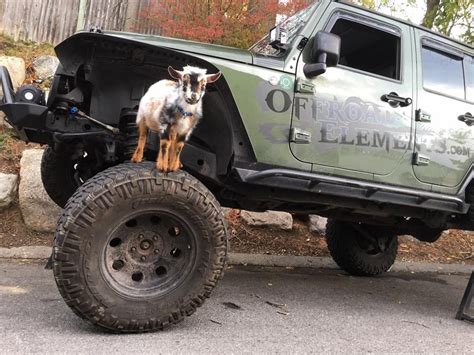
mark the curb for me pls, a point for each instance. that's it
(34, 252)
(314, 262)
(238, 259)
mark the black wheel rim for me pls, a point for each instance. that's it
(148, 254)
(374, 247)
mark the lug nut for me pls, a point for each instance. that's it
(155, 237)
(140, 236)
(133, 249)
(156, 251)
(143, 258)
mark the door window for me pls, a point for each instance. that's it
(368, 49)
(442, 72)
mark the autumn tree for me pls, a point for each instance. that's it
(449, 17)
(237, 23)
(432, 7)
(446, 15)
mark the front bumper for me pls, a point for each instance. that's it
(28, 119)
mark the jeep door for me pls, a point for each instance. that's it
(340, 118)
(445, 106)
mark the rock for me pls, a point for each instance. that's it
(408, 238)
(39, 212)
(16, 67)
(317, 224)
(8, 188)
(45, 66)
(271, 219)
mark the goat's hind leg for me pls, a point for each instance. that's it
(143, 132)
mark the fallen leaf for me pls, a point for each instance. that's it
(231, 305)
(407, 321)
(277, 305)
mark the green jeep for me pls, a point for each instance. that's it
(339, 111)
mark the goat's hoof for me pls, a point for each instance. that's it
(162, 169)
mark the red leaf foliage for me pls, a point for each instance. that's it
(237, 23)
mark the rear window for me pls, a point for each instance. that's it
(469, 70)
(443, 72)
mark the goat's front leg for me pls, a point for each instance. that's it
(143, 132)
(172, 151)
(162, 163)
(179, 144)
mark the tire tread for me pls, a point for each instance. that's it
(344, 251)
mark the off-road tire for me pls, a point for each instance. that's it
(347, 253)
(57, 175)
(93, 213)
(470, 199)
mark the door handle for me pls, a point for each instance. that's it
(467, 118)
(395, 101)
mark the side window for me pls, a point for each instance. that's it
(469, 73)
(368, 49)
(442, 72)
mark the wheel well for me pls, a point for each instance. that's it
(120, 71)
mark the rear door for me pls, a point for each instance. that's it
(444, 135)
(344, 112)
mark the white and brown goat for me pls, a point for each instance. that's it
(172, 109)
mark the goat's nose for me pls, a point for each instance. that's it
(194, 96)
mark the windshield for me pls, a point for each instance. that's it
(292, 25)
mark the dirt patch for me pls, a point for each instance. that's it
(14, 232)
(11, 150)
(453, 247)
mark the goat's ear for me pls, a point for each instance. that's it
(175, 74)
(213, 77)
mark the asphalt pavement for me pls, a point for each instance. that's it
(254, 310)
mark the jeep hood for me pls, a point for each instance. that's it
(216, 51)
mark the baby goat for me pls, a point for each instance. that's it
(172, 109)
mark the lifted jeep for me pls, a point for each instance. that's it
(339, 112)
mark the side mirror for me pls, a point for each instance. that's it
(324, 53)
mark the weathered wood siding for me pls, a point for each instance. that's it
(54, 20)
(39, 20)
